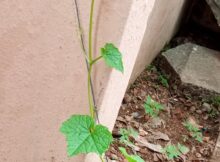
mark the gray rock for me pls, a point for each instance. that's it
(206, 107)
(196, 65)
(156, 122)
(136, 115)
(193, 109)
(206, 117)
(215, 7)
(199, 111)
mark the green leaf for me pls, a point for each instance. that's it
(198, 136)
(130, 158)
(84, 136)
(152, 107)
(172, 151)
(183, 149)
(195, 131)
(112, 56)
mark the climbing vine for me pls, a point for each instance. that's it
(83, 133)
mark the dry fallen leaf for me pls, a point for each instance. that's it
(160, 136)
(143, 142)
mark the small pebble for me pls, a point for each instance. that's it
(206, 107)
(193, 109)
(143, 93)
(198, 155)
(206, 117)
(135, 115)
(199, 111)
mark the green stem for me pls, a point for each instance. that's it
(101, 159)
(91, 104)
(90, 29)
(95, 60)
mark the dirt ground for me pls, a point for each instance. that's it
(178, 107)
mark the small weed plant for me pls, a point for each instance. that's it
(151, 68)
(213, 113)
(214, 100)
(152, 107)
(163, 80)
(126, 133)
(173, 151)
(130, 158)
(194, 130)
(83, 134)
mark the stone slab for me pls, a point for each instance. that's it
(196, 65)
(215, 7)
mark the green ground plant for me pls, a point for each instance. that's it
(130, 158)
(152, 107)
(194, 130)
(213, 113)
(126, 133)
(163, 80)
(215, 100)
(151, 68)
(83, 133)
(173, 151)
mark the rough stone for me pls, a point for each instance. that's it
(193, 108)
(215, 7)
(206, 107)
(196, 65)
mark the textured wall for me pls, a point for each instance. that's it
(161, 26)
(150, 24)
(43, 74)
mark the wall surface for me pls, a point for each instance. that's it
(43, 72)
(150, 24)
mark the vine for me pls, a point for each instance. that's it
(83, 133)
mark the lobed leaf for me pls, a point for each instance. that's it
(172, 151)
(84, 136)
(112, 56)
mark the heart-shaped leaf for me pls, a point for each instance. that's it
(112, 56)
(84, 136)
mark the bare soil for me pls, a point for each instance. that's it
(178, 107)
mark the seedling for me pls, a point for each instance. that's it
(215, 101)
(83, 134)
(213, 113)
(130, 158)
(151, 68)
(194, 130)
(163, 80)
(126, 133)
(173, 151)
(183, 149)
(152, 107)
(185, 138)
